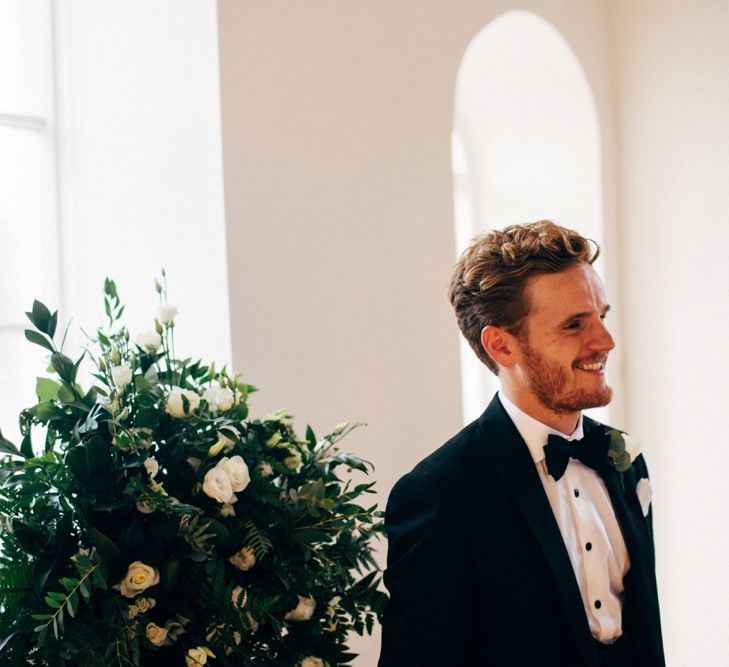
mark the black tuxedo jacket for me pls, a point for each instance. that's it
(477, 569)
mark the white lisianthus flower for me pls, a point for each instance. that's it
(237, 471)
(303, 611)
(151, 466)
(223, 443)
(139, 578)
(293, 462)
(150, 341)
(155, 634)
(219, 398)
(174, 405)
(311, 661)
(121, 375)
(217, 486)
(227, 510)
(244, 559)
(273, 440)
(167, 313)
(196, 656)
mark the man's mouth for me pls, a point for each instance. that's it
(591, 366)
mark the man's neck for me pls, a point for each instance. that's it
(564, 422)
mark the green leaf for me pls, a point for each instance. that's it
(40, 316)
(55, 604)
(65, 395)
(46, 389)
(8, 447)
(108, 551)
(38, 339)
(63, 366)
(52, 325)
(69, 584)
(310, 536)
(72, 605)
(170, 572)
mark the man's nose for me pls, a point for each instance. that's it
(601, 338)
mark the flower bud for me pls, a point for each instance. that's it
(158, 326)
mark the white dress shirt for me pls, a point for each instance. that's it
(585, 516)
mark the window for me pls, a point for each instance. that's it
(526, 146)
(28, 228)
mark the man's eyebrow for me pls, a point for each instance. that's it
(583, 315)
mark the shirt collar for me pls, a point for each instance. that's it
(532, 431)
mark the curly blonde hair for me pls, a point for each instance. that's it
(488, 282)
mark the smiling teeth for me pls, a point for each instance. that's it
(591, 367)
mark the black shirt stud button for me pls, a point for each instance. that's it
(588, 546)
(598, 604)
(577, 493)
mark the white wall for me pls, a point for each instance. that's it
(141, 164)
(337, 118)
(672, 74)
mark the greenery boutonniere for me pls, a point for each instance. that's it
(622, 451)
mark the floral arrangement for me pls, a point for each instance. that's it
(160, 525)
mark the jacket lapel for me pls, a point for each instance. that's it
(641, 613)
(519, 475)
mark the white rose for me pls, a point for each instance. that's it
(303, 611)
(632, 446)
(196, 656)
(150, 341)
(139, 578)
(311, 661)
(167, 313)
(217, 486)
(151, 466)
(155, 634)
(237, 471)
(121, 375)
(132, 611)
(143, 605)
(244, 559)
(174, 405)
(219, 398)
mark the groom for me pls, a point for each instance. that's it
(518, 542)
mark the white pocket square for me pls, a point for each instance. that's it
(645, 493)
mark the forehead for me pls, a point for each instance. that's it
(573, 291)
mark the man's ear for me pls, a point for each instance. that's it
(499, 345)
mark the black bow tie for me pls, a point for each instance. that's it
(591, 450)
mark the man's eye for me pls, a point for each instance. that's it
(573, 326)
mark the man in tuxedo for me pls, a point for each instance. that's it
(526, 539)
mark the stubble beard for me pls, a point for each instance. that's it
(548, 382)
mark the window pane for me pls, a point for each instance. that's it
(24, 56)
(22, 208)
(21, 362)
